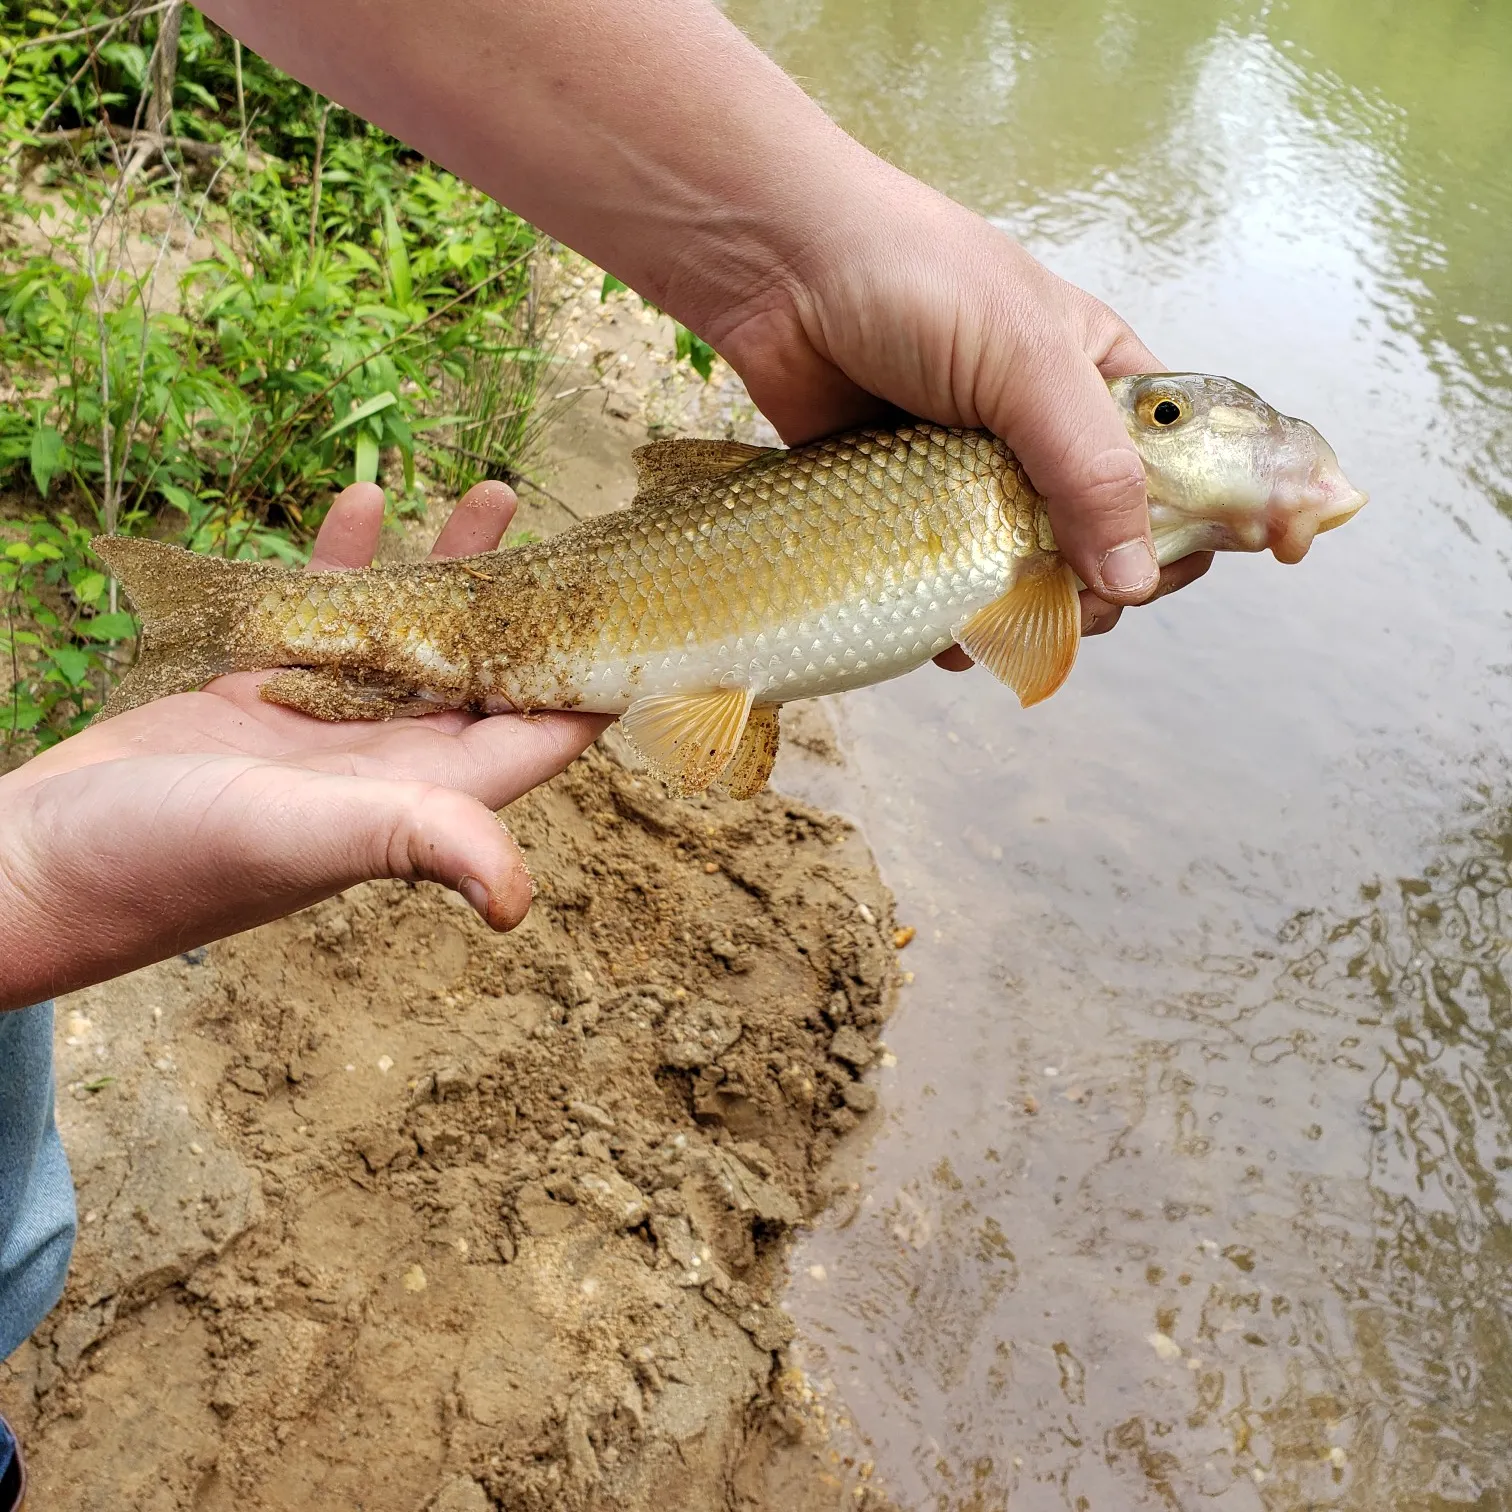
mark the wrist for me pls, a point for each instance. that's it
(31, 969)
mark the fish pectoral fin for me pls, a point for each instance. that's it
(747, 774)
(1028, 637)
(675, 464)
(688, 738)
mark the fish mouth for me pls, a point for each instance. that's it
(1303, 509)
(1343, 513)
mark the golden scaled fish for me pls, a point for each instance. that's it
(739, 578)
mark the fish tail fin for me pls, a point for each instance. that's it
(190, 607)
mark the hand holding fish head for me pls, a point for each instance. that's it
(1227, 472)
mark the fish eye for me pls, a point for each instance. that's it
(1163, 408)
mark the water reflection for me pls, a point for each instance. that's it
(1383, 128)
(1265, 1261)
(1195, 1188)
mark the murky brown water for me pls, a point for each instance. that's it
(1195, 1188)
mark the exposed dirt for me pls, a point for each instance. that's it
(383, 1211)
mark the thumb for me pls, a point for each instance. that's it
(113, 866)
(1054, 410)
(294, 833)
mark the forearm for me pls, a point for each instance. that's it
(649, 135)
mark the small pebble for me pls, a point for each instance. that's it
(385, 1064)
(195, 1149)
(818, 1272)
(1164, 1345)
(903, 937)
(414, 1279)
(710, 867)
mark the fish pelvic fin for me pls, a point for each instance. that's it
(688, 738)
(190, 607)
(1029, 637)
(756, 754)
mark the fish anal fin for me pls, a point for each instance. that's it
(747, 774)
(667, 465)
(688, 738)
(327, 693)
(1028, 638)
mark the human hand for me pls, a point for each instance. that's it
(914, 302)
(207, 813)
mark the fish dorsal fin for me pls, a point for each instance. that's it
(688, 738)
(677, 464)
(747, 774)
(1028, 637)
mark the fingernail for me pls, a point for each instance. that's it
(1130, 568)
(476, 894)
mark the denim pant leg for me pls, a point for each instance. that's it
(37, 1214)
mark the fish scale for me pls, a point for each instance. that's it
(887, 543)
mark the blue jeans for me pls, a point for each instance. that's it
(37, 1214)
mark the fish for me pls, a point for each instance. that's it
(740, 578)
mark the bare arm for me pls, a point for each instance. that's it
(651, 136)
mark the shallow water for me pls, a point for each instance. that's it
(1195, 1183)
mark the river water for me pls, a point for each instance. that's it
(1194, 1186)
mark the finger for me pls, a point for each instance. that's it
(322, 833)
(494, 760)
(348, 536)
(1099, 616)
(119, 864)
(1179, 574)
(478, 522)
(1054, 411)
(953, 659)
(1117, 351)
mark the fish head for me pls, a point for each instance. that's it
(1227, 472)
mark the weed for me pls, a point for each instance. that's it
(209, 326)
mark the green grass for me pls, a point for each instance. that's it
(343, 296)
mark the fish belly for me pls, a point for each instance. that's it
(835, 647)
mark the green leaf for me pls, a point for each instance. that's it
(71, 662)
(396, 255)
(696, 352)
(180, 498)
(46, 456)
(109, 627)
(89, 587)
(366, 470)
(611, 285)
(370, 407)
(15, 718)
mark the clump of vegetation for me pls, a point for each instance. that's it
(221, 299)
